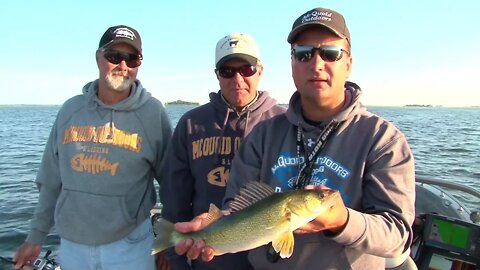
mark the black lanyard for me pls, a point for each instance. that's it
(305, 171)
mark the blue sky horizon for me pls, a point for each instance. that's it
(404, 52)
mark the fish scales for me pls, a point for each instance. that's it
(247, 229)
(266, 217)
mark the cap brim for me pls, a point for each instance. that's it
(296, 31)
(250, 59)
(122, 41)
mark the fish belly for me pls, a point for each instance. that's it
(244, 233)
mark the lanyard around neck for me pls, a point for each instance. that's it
(305, 170)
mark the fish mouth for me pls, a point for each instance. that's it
(331, 197)
(335, 197)
(325, 200)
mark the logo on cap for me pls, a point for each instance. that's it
(317, 16)
(327, 18)
(124, 33)
(236, 45)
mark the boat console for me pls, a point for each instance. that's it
(448, 243)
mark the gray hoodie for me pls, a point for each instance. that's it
(97, 171)
(367, 159)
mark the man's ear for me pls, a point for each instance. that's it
(260, 70)
(97, 58)
(349, 67)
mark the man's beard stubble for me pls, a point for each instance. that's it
(118, 82)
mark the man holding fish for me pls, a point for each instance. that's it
(330, 140)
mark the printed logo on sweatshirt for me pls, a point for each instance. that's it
(104, 135)
(223, 149)
(219, 176)
(215, 145)
(287, 166)
(92, 159)
(93, 164)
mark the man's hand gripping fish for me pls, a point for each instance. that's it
(258, 216)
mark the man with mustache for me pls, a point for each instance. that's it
(96, 177)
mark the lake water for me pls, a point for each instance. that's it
(445, 142)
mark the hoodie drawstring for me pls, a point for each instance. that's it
(217, 145)
(246, 124)
(111, 135)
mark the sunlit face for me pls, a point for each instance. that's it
(116, 77)
(239, 91)
(320, 83)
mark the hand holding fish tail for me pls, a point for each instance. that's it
(193, 248)
(333, 220)
(196, 224)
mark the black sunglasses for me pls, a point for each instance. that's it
(229, 72)
(304, 53)
(116, 57)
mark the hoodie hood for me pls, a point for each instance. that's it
(262, 104)
(254, 110)
(137, 98)
(351, 107)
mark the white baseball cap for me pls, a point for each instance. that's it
(237, 45)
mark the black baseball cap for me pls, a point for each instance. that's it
(121, 34)
(323, 17)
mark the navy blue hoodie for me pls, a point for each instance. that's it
(198, 165)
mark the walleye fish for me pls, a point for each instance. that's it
(258, 216)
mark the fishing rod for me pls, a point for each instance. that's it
(7, 259)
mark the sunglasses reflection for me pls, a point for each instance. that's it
(244, 71)
(305, 53)
(116, 57)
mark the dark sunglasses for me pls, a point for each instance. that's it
(116, 57)
(229, 72)
(304, 53)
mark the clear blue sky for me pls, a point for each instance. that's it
(404, 52)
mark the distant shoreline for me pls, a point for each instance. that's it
(420, 105)
(182, 102)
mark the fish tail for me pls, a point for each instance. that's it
(164, 231)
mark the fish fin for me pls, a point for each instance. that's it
(250, 194)
(284, 245)
(164, 231)
(213, 215)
